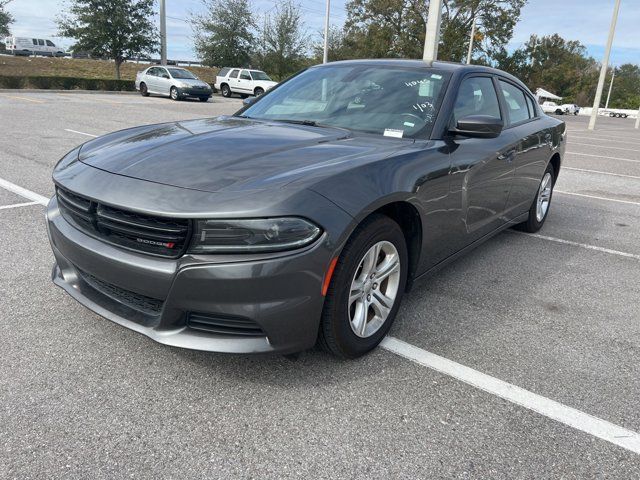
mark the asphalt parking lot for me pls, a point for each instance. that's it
(556, 314)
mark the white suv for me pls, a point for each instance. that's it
(243, 81)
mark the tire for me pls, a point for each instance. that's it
(203, 99)
(174, 94)
(258, 91)
(225, 90)
(558, 112)
(339, 321)
(612, 115)
(535, 222)
(144, 91)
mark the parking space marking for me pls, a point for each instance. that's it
(603, 156)
(600, 172)
(578, 244)
(34, 100)
(80, 133)
(572, 417)
(17, 205)
(597, 197)
(607, 147)
(601, 139)
(23, 192)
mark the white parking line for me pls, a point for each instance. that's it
(601, 138)
(80, 133)
(23, 192)
(16, 205)
(629, 202)
(601, 172)
(608, 147)
(603, 156)
(544, 406)
(578, 244)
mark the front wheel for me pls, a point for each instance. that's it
(204, 99)
(366, 289)
(258, 91)
(540, 207)
(174, 94)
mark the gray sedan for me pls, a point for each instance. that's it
(173, 82)
(305, 216)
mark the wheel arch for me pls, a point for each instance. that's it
(556, 162)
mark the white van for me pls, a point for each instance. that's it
(33, 46)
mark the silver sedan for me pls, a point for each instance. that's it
(173, 82)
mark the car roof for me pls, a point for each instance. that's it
(453, 67)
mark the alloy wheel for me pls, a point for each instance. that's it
(544, 196)
(374, 289)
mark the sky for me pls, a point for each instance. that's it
(583, 20)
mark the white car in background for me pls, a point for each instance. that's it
(243, 81)
(564, 109)
(33, 46)
(173, 82)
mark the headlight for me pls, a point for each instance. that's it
(252, 235)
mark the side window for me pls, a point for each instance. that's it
(245, 75)
(41, 42)
(516, 103)
(151, 72)
(162, 72)
(476, 96)
(234, 73)
(532, 107)
(50, 43)
(223, 72)
(35, 41)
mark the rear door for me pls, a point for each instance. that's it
(150, 78)
(482, 168)
(233, 79)
(530, 160)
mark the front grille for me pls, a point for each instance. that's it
(136, 301)
(224, 325)
(166, 237)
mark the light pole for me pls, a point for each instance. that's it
(325, 54)
(613, 75)
(163, 33)
(603, 69)
(432, 36)
(473, 33)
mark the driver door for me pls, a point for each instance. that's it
(482, 169)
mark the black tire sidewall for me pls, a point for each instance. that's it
(339, 337)
(259, 91)
(177, 95)
(226, 91)
(533, 225)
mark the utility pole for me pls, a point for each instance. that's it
(473, 34)
(325, 55)
(638, 119)
(603, 69)
(613, 75)
(432, 36)
(163, 33)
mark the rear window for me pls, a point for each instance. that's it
(223, 72)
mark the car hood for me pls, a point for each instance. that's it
(192, 82)
(232, 153)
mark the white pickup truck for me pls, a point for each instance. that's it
(565, 109)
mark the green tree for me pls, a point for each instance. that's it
(626, 87)
(337, 48)
(396, 28)
(115, 29)
(555, 64)
(223, 36)
(283, 41)
(6, 19)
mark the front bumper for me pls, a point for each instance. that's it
(280, 293)
(195, 92)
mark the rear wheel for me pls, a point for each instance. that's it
(541, 204)
(144, 91)
(366, 289)
(226, 91)
(174, 94)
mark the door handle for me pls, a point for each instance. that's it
(508, 156)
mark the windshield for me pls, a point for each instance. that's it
(181, 73)
(258, 75)
(390, 101)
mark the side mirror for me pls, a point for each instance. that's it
(478, 126)
(164, 75)
(249, 100)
